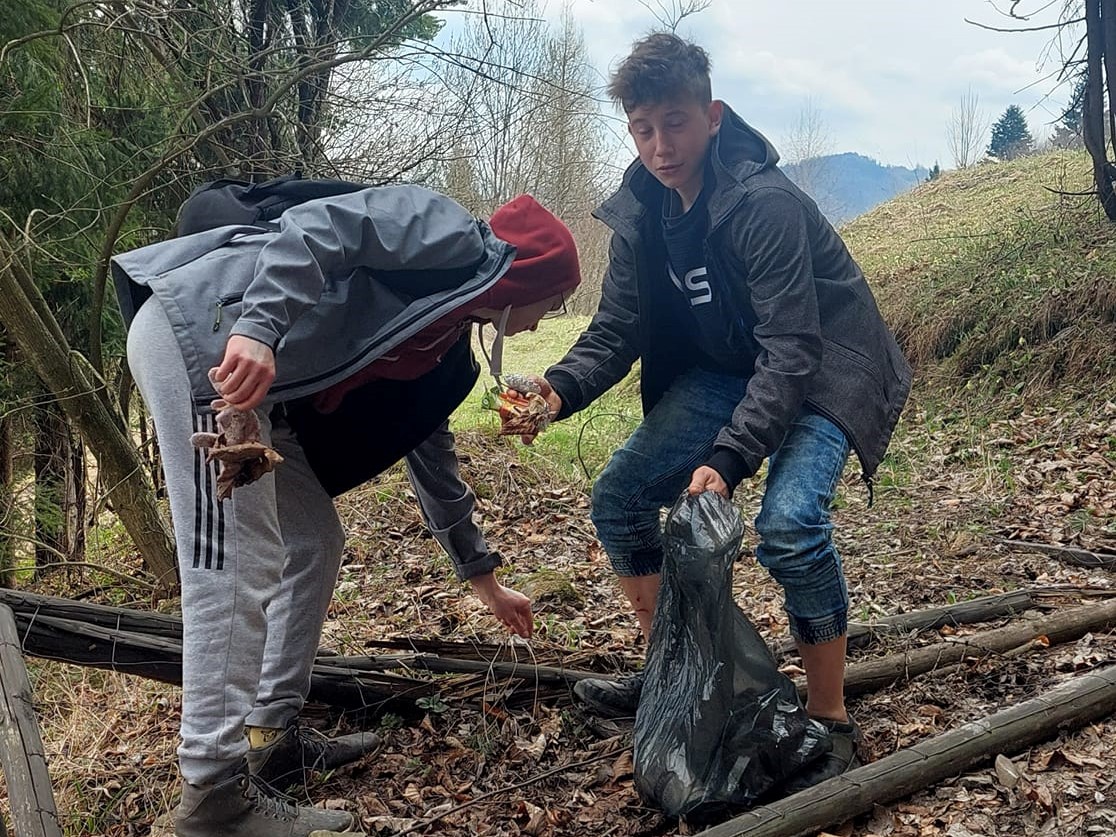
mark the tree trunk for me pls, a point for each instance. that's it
(1092, 117)
(77, 507)
(7, 499)
(52, 481)
(1072, 704)
(7, 470)
(74, 383)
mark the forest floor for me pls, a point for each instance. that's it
(946, 498)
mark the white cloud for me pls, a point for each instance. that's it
(994, 69)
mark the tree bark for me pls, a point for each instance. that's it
(1092, 120)
(64, 373)
(21, 747)
(1072, 704)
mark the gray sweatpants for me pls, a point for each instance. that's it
(257, 570)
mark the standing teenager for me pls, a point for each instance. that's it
(759, 341)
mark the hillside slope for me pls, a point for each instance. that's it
(1002, 274)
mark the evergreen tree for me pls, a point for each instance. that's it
(1010, 136)
(934, 172)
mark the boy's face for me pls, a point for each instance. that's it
(672, 138)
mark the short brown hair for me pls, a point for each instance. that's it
(660, 68)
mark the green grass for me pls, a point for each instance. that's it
(579, 444)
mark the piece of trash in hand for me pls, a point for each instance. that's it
(242, 458)
(522, 384)
(522, 414)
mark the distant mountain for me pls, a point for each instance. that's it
(849, 184)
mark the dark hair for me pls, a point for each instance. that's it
(660, 68)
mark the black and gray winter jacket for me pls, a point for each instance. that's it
(810, 329)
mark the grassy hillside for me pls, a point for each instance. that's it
(998, 277)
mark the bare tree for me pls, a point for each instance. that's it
(968, 124)
(1096, 51)
(532, 123)
(805, 150)
(184, 91)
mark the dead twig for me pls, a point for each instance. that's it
(508, 788)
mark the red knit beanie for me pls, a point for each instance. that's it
(545, 262)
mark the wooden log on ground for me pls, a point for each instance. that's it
(1074, 555)
(121, 618)
(21, 747)
(350, 682)
(1074, 703)
(160, 658)
(983, 609)
(872, 675)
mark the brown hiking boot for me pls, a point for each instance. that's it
(289, 757)
(244, 806)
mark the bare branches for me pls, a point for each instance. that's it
(1045, 28)
(671, 13)
(966, 130)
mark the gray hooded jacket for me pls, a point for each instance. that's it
(369, 269)
(811, 329)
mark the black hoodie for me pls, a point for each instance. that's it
(815, 334)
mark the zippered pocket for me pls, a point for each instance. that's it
(220, 304)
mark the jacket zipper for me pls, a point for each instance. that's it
(222, 301)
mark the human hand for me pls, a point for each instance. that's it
(510, 607)
(707, 479)
(245, 374)
(553, 402)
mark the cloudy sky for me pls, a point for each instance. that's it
(884, 75)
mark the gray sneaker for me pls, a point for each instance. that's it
(244, 806)
(611, 698)
(289, 759)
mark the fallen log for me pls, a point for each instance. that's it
(348, 682)
(872, 675)
(120, 618)
(160, 658)
(1074, 703)
(1074, 555)
(983, 609)
(21, 746)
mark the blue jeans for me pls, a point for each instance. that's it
(795, 534)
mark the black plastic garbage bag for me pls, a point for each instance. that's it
(718, 727)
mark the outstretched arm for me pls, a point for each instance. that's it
(447, 505)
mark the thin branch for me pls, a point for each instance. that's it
(426, 823)
(1059, 25)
